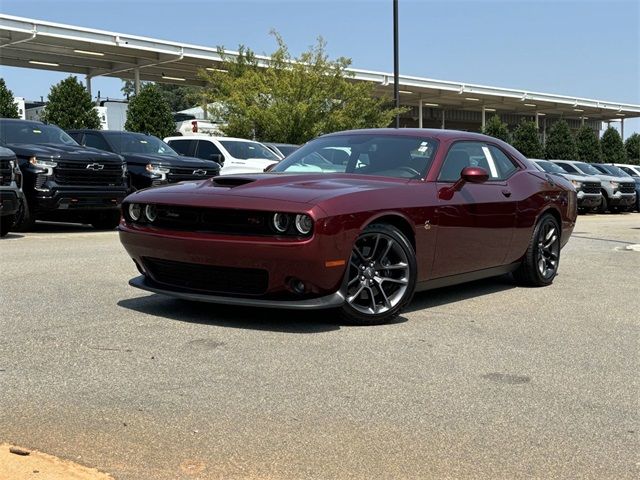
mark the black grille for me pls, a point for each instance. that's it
(591, 187)
(627, 187)
(182, 174)
(207, 278)
(100, 174)
(5, 173)
(213, 220)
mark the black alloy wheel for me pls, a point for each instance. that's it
(540, 263)
(381, 276)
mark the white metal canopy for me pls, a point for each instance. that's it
(31, 43)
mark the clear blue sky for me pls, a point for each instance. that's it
(587, 48)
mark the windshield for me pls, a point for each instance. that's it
(549, 167)
(588, 169)
(613, 170)
(287, 149)
(34, 133)
(363, 154)
(131, 143)
(245, 150)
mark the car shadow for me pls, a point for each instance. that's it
(59, 227)
(457, 293)
(233, 316)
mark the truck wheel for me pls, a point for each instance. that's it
(25, 218)
(381, 276)
(604, 205)
(540, 263)
(6, 223)
(107, 221)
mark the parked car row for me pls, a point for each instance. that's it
(84, 175)
(600, 187)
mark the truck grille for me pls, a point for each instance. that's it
(627, 187)
(213, 220)
(5, 173)
(208, 278)
(103, 175)
(591, 187)
(182, 174)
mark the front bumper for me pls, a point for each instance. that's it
(283, 261)
(69, 199)
(9, 202)
(589, 199)
(620, 199)
(333, 300)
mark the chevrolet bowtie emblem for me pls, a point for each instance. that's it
(95, 166)
(200, 172)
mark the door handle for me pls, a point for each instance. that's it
(506, 193)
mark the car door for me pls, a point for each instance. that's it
(474, 225)
(207, 150)
(184, 147)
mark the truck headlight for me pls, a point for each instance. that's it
(46, 165)
(157, 171)
(614, 184)
(576, 184)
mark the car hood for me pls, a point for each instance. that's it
(66, 152)
(169, 161)
(308, 189)
(610, 178)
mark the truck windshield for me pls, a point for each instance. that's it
(549, 167)
(132, 143)
(588, 169)
(34, 133)
(615, 171)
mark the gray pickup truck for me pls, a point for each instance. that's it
(618, 194)
(588, 188)
(10, 194)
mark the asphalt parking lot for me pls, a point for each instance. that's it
(484, 380)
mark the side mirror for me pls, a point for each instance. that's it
(269, 168)
(217, 157)
(468, 174)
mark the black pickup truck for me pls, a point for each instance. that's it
(10, 194)
(150, 161)
(63, 181)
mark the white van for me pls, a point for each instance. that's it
(236, 155)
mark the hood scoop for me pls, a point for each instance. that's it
(230, 182)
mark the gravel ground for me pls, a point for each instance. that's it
(482, 380)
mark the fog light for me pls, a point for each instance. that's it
(151, 212)
(297, 286)
(135, 210)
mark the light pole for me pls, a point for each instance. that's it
(396, 62)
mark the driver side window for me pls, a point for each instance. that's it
(476, 154)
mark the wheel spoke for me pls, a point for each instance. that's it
(375, 247)
(399, 281)
(387, 250)
(372, 296)
(387, 303)
(550, 233)
(359, 253)
(355, 295)
(397, 266)
(551, 241)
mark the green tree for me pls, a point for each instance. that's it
(8, 108)
(497, 128)
(560, 142)
(632, 146)
(70, 106)
(149, 113)
(179, 97)
(588, 145)
(292, 100)
(612, 147)
(527, 141)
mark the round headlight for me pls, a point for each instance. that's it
(135, 210)
(151, 212)
(304, 224)
(281, 222)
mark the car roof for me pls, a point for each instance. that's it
(435, 133)
(19, 120)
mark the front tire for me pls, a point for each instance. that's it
(107, 221)
(540, 264)
(381, 276)
(25, 217)
(604, 205)
(6, 224)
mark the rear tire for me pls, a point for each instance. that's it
(107, 221)
(380, 277)
(540, 263)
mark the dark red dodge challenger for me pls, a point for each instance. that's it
(356, 221)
